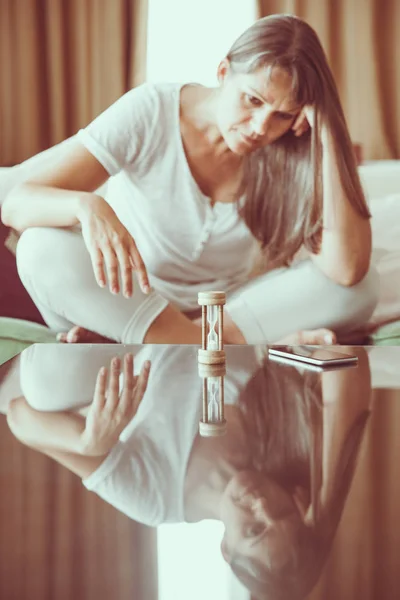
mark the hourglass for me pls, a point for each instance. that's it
(213, 423)
(212, 343)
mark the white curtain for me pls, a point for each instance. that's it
(187, 38)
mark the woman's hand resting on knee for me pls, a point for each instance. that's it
(111, 247)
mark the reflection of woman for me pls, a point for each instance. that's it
(199, 177)
(145, 474)
(282, 513)
(278, 480)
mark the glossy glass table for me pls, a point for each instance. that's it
(159, 479)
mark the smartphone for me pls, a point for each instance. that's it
(313, 355)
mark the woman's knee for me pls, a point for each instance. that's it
(32, 252)
(53, 257)
(35, 368)
(56, 269)
(38, 250)
(44, 366)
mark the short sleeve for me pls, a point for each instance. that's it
(119, 136)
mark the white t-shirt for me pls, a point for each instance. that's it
(186, 244)
(144, 474)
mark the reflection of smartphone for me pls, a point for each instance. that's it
(313, 355)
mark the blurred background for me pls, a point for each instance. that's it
(61, 63)
(64, 61)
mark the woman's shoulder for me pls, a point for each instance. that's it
(161, 92)
(145, 97)
(151, 103)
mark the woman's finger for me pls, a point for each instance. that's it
(301, 125)
(111, 263)
(142, 382)
(125, 269)
(303, 129)
(309, 112)
(126, 397)
(138, 264)
(113, 385)
(97, 259)
(299, 121)
(99, 397)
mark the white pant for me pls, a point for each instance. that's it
(56, 270)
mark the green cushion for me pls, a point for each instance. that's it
(16, 335)
(387, 335)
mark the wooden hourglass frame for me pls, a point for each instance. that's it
(212, 314)
(213, 422)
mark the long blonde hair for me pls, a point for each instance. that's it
(282, 182)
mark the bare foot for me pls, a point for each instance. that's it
(80, 335)
(318, 337)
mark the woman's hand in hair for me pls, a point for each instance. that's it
(305, 121)
(302, 124)
(111, 247)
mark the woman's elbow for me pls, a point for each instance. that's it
(10, 216)
(355, 273)
(5, 214)
(359, 260)
(8, 212)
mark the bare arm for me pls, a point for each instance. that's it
(77, 443)
(347, 396)
(349, 389)
(346, 239)
(56, 434)
(64, 196)
(56, 197)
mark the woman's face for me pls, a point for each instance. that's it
(261, 519)
(254, 110)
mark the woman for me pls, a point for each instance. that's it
(281, 515)
(278, 480)
(200, 178)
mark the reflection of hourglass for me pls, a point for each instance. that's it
(212, 305)
(213, 422)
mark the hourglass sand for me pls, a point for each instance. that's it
(213, 423)
(212, 312)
